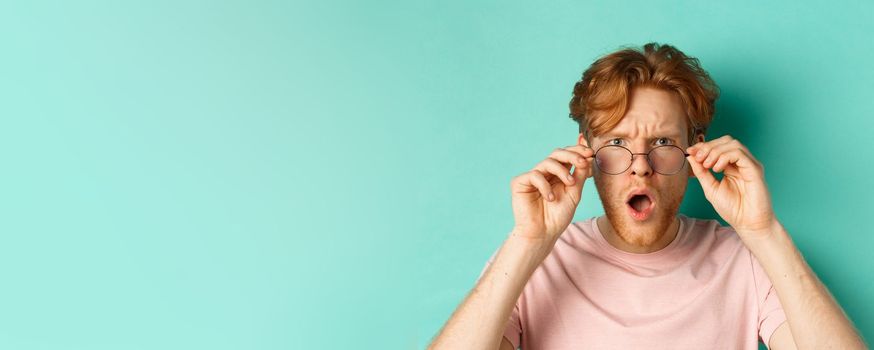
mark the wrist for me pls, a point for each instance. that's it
(534, 242)
(769, 231)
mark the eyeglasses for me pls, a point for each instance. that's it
(665, 160)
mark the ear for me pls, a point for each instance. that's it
(698, 138)
(581, 140)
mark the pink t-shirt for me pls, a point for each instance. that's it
(704, 290)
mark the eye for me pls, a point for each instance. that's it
(611, 142)
(663, 141)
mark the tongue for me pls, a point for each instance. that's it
(639, 203)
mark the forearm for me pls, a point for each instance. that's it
(815, 318)
(479, 322)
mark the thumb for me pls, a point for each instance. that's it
(705, 177)
(580, 175)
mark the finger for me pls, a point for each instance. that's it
(749, 155)
(570, 155)
(705, 177)
(721, 163)
(586, 151)
(559, 170)
(536, 180)
(717, 151)
(581, 173)
(735, 156)
(702, 149)
(712, 156)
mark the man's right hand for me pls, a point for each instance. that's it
(480, 320)
(545, 198)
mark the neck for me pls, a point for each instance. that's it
(610, 235)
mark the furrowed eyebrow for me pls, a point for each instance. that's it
(610, 136)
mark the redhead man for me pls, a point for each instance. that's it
(642, 275)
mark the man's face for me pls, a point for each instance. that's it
(654, 117)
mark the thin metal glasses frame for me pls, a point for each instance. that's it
(648, 159)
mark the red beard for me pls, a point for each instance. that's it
(640, 233)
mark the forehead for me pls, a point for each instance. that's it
(651, 112)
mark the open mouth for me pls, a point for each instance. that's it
(640, 206)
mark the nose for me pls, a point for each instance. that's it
(640, 165)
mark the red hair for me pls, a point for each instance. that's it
(601, 98)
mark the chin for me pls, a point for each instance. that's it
(637, 233)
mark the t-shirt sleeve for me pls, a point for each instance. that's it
(771, 313)
(513, 329)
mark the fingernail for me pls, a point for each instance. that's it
(551, 197)
(570, 177)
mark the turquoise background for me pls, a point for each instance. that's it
(284, 175)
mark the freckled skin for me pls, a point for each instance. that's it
(652, 113)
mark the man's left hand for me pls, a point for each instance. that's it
(741, 198)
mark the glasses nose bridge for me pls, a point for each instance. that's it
(646, 157)
(646, 154)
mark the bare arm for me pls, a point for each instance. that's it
(815, 320)
(479, 322)
(741, 197)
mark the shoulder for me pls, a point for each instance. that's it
(713, 238)
(578, 234)
(710, 227)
